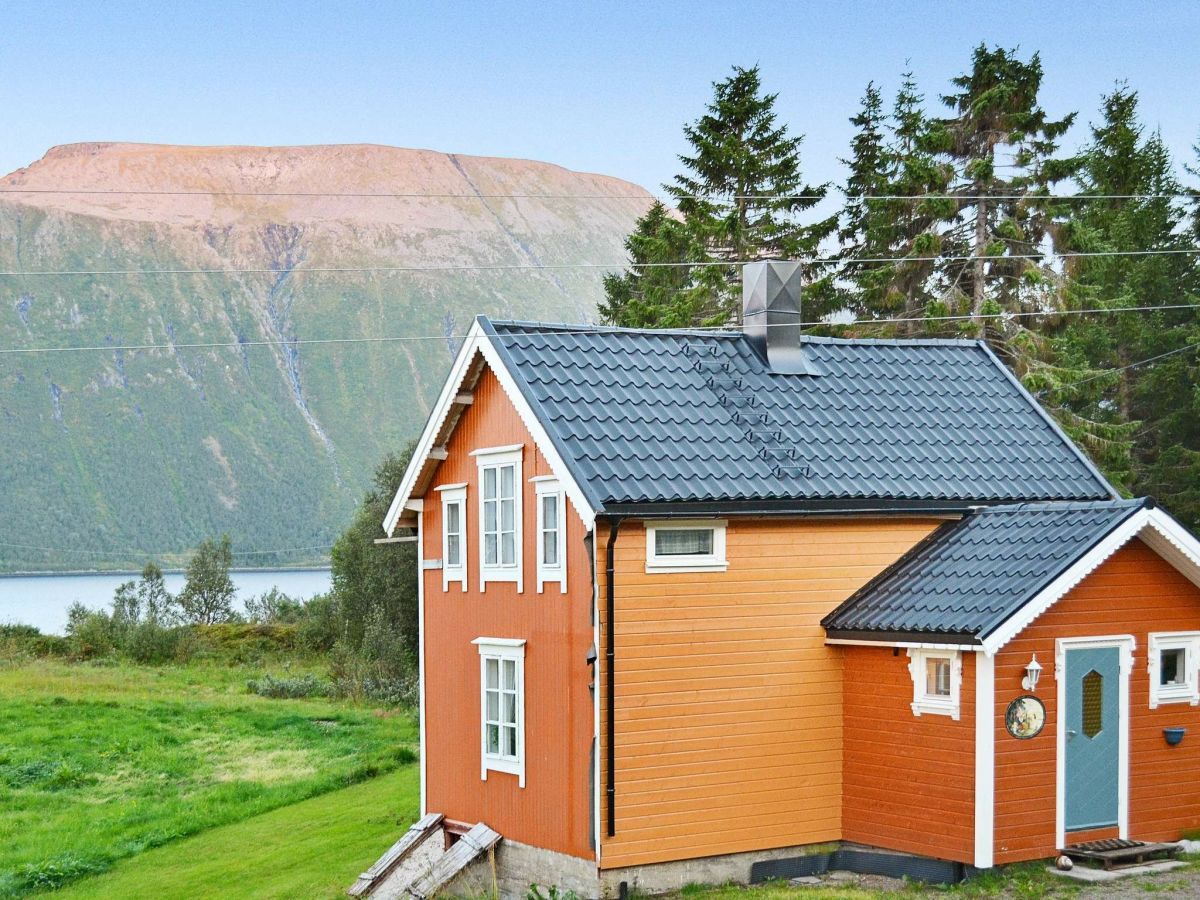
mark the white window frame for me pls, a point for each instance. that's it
(1189, 691)
(497, 458)
(935, 704)
(549, 486)
(453, 494)
(501, 649)
(712, 562)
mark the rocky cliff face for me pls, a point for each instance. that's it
(114, 453)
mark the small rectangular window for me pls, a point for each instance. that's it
(937, 677)
(551, 533)
(502, 713)
(1174, 658)
(937, 681)
(454, 534)
(686, 546)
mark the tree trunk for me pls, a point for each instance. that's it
(979, 292)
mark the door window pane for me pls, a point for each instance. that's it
(1093, 703)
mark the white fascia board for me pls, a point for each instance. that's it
(985, 760)
(910, 645)
(477, 341)
(1161, 533)
(441, 409)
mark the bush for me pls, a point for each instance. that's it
(290, 688)
(321, 624)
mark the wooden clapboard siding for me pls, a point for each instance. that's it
(728, 703)
(908, 781)
(554, 809)
(1135, 592)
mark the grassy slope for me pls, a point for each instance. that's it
(99, 764)
(308, 850)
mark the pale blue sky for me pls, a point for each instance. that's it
(594, 86)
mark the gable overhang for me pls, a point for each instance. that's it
(1151, 525)
(478, 351)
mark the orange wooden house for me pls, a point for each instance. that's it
(703, 606)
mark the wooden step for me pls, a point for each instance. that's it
(396, 854)
(1116, 852)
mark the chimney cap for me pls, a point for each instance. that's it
(771, 315)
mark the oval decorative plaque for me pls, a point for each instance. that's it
(1025, 718)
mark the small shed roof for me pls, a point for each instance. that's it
(971, 576)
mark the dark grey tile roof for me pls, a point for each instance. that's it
(676, 417)
(971, 575)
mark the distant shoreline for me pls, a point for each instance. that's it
(136, 573)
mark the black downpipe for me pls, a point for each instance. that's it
(610, 788)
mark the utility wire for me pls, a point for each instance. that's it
(517, 267)
(712, 198)
(577, 330)
(1134, 365)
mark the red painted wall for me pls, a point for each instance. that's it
(1135, 592)
(554, 808)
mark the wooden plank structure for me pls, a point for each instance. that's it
(1117, 852)
(465, 851)
(396, 854)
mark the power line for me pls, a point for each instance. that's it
(482, 195)
(1141, 362)
(518, 267)
(577, 330)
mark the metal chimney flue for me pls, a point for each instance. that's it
(771, 315)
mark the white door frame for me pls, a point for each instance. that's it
(1126, 644)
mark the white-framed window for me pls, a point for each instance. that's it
(1173, 659)
(499, 515)
(551, 532)
(686, 546)
(454, 534)
(937, 681)
(502, 706)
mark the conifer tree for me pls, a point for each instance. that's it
(999, 126)
(1102, 397)
(662, 296)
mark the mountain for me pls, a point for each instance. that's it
(111, 456)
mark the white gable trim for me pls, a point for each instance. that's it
(478, 342)
(1164, 535)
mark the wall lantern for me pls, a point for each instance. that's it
(1033, 671)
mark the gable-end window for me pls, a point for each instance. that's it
(551, 533)
(1174, 658)
(499, 515)
(686, 546)
(937, 681)
(454, 534)
(502, 706)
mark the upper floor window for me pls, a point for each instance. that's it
(937, 681)
(1174, 657)
(499, 514)
(551, 533)
(454, 534)
(502, 706)
(686, 546)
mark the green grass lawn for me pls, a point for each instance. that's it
(101, 763)
(313, 849)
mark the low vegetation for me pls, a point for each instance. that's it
(103, 760)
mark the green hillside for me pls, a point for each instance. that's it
(108, 456)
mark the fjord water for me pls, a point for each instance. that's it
(43, 600)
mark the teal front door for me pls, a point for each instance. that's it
(1092, 735)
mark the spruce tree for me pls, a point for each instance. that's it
(662, 296)
(998, 126)
(742, 193)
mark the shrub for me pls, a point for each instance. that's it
(308, 685)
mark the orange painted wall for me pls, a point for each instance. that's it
(908, 781)
(1135, 592)
(554, 808)
(728, 703)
